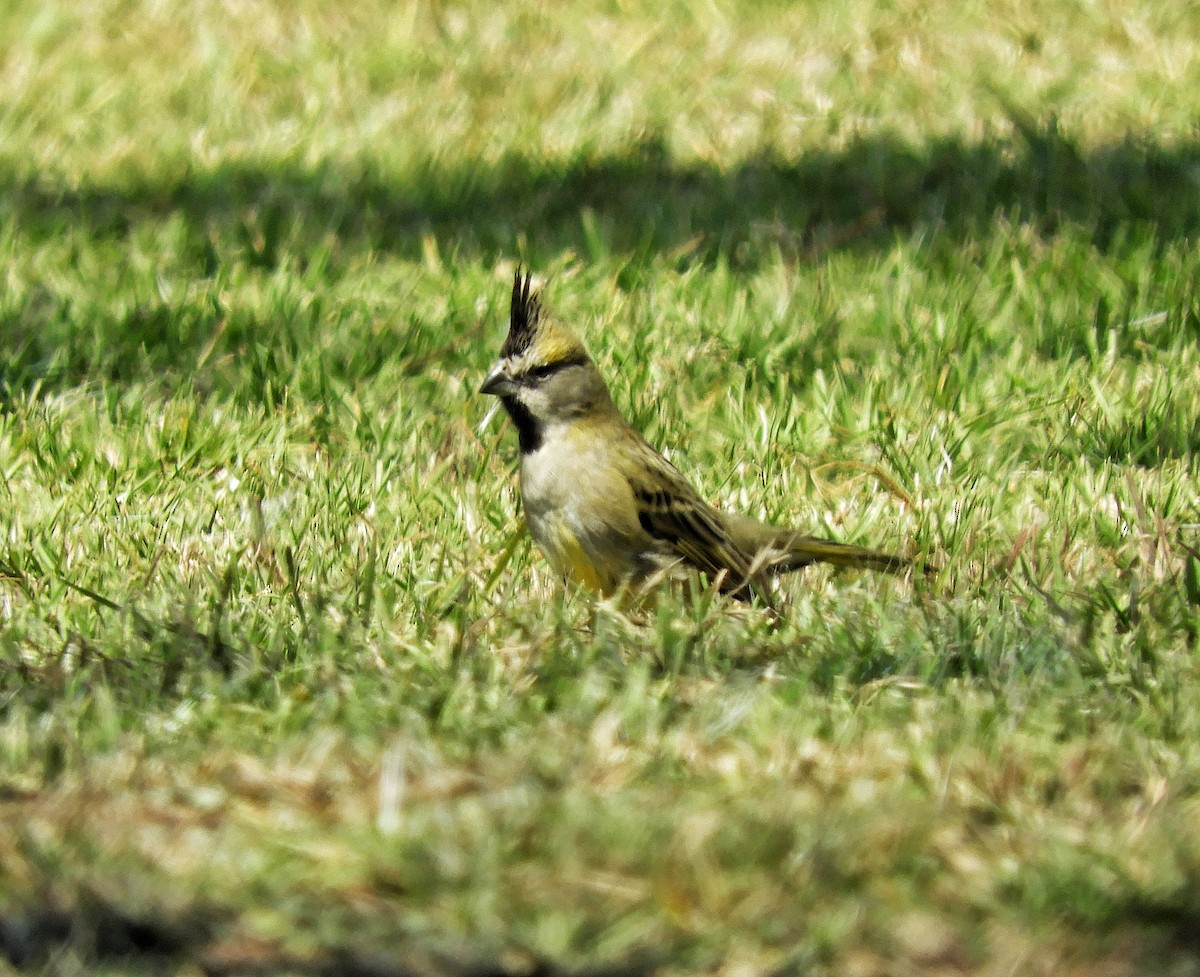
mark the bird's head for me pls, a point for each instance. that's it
(544, 375)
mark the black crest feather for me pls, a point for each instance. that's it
(523, 315)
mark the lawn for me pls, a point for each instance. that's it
(284, 687)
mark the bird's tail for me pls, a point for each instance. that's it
(802, 550)
(786, 549)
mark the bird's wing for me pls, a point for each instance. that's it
(672, 512)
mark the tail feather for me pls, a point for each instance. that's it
(798, 550)
(802, 550)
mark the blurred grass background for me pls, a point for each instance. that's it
(282, 686)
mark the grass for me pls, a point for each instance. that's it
(284, 688)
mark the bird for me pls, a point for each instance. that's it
(605, 508)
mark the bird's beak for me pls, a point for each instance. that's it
(498, 383)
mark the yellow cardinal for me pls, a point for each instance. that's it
(605, 507)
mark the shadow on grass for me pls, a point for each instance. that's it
(637, 207)
(643, 203)
(101, 932)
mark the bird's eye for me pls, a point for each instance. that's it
(541, 372)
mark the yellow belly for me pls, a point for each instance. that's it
(569, 557)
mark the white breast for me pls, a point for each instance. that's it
(555, 491)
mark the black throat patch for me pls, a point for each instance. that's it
(529, 432)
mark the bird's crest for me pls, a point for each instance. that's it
(525, 315)
(530, 333)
